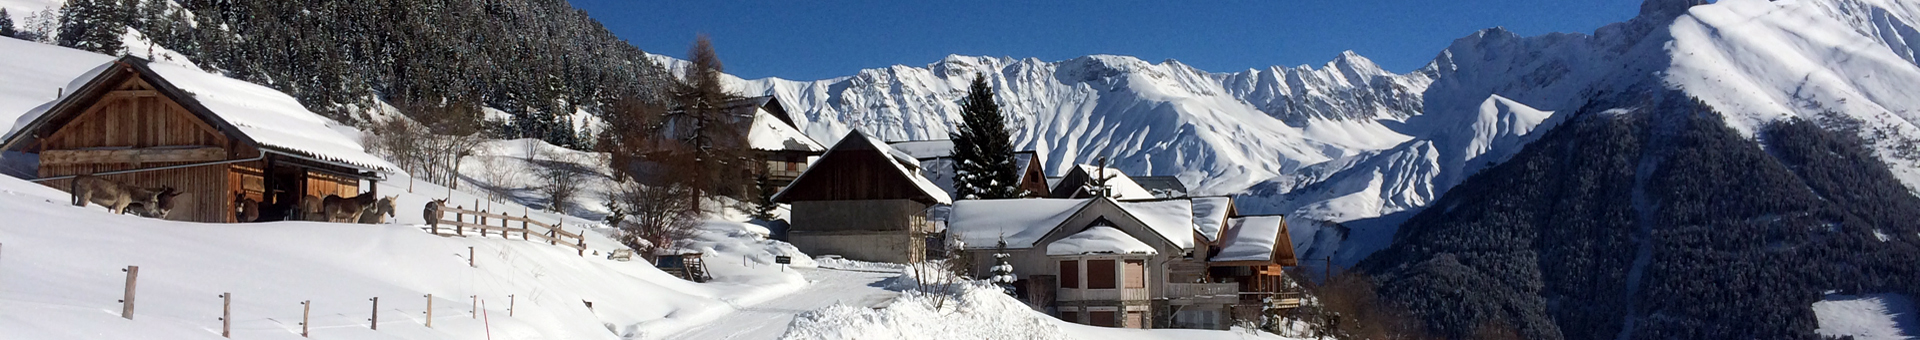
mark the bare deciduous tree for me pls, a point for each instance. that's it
(418, 149)
(655, 216)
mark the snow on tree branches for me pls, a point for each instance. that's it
(983, 148)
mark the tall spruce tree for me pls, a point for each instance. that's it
(92, 25)
(983, 148)
(6, 24)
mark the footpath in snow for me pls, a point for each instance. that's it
(826, 287)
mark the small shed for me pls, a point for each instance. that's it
(211, 137)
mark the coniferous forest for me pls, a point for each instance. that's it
(542, 62)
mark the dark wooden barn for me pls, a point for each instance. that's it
(152, 125)
(862, 200)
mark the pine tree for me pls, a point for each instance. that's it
(6, 24)
(1002, 271)
(92, 25)
(763, 202)
(983, 148)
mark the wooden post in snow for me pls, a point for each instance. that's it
(305, 314)
(126, 303)
(226, 315)
(470, 258)
(476, 305)
(509, 304)
(374, 322)
(459, 216)
(523, 225)
(482, 219)
(429, 310)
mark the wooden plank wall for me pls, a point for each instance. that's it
(320, 184)
(135, 117)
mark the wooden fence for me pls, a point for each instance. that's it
(465, 221)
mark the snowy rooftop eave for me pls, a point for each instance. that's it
(1099, 240)
(768, 133)
(1251, 238)
(982, 224)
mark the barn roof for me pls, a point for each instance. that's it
(849, 150)
(257, 115)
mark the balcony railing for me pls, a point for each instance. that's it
(1072, 294)
(1197, 290)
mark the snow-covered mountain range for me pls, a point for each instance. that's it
(1349, 141)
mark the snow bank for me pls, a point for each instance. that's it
(1870, 317)
(976, 311)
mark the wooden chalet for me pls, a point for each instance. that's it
(760, 124)
(862, 200)
(1166, 263)
(153, 124)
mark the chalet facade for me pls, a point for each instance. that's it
(865, 201)
(1171, 263)
(936, 159)
(153, 124)
(775, 138)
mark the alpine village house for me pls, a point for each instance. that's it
(1131, 257)
(211, 137)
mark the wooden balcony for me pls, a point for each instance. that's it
(1223, 293)
(1125, 294)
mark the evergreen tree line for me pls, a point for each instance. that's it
(539, 61)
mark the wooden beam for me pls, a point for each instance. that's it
(132, 94)
(148, 155)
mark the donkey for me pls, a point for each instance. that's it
(346, 210)
(116, 196)
(432, 212)
(167, 196)
(245, 209)
(371, 214)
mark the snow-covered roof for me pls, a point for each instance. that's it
(1209, 213)
(270, 118)
(770, 134)
(981, 224)
(925, 149)
(1118, 182)
(1024, 159)
(1173, 219)
(905, 166)
(1250, 238)
(1099, 240)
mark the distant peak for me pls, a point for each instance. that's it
(1667, 8)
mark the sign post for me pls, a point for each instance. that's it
(783, 261)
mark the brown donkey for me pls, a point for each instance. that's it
(117, 197)
(371, 214)
(245, 209)
(346, 210)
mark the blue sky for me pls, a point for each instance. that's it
(806, 40)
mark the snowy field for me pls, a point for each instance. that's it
(1869, 317)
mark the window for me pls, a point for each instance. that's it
(1069, 274)
(1100, 275)
(1071, 316)
(1136, 273)
(1103, 318)
(793, 166)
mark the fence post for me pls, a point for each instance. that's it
(480, 219)
(470, 258)
(226, 315)
(374, 322)
(459, 216)
(126, 303)
(509, 304)
(305, 314)
(523, 225)
(476, 305)
(429, 310)
(583, 241)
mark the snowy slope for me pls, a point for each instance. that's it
(60, 279)
(1872, 317)
(1219, 132)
